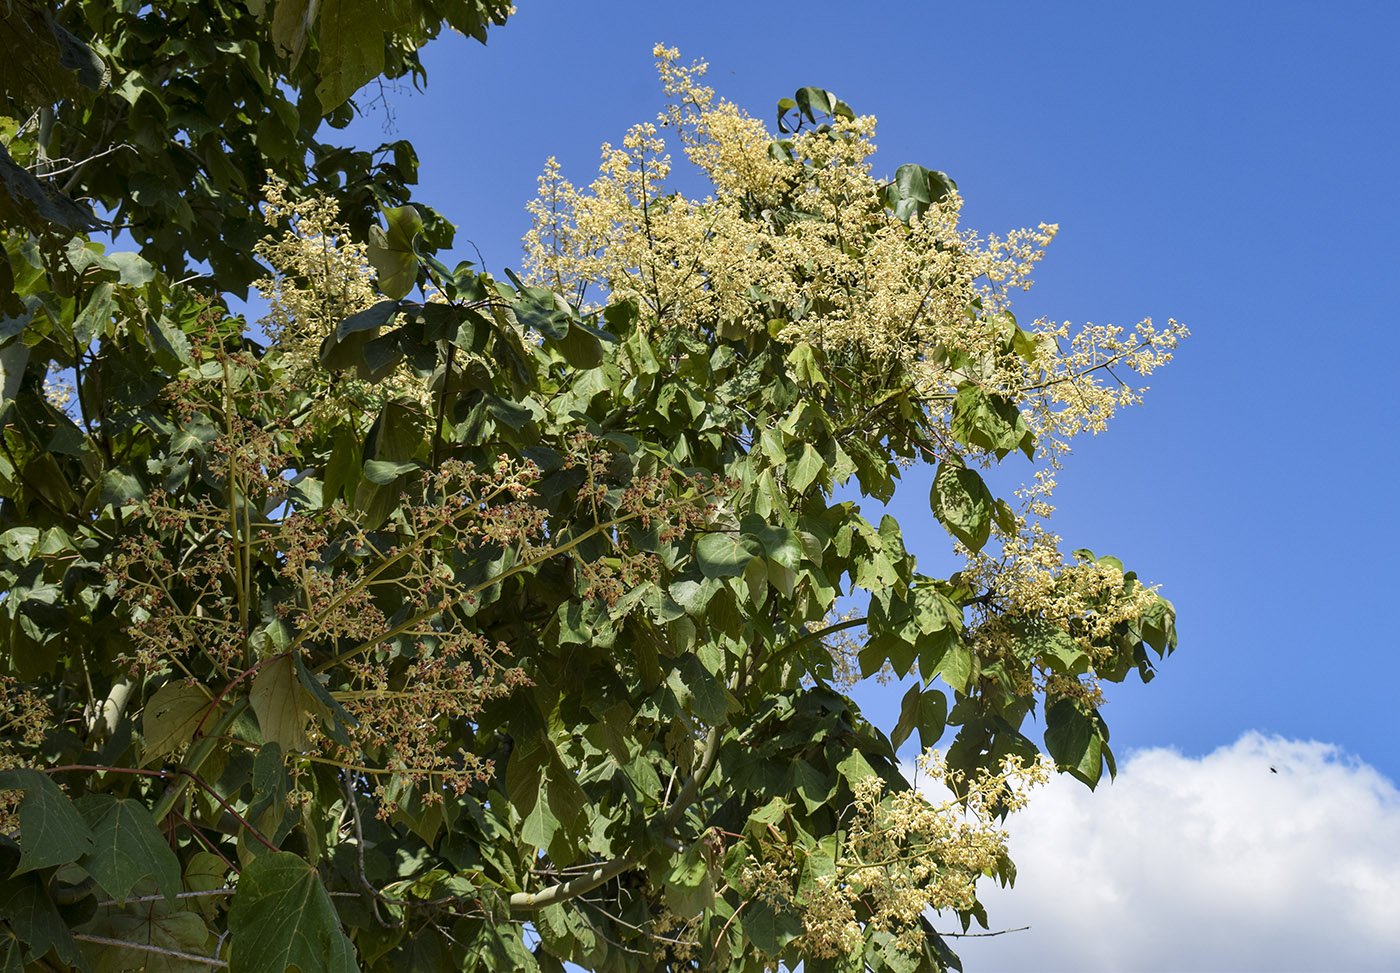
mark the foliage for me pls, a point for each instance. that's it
(178, 110)
(470, 624)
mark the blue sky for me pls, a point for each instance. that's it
(1231, 165)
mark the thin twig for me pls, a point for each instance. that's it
(161, 898)
(980, 935)
(145, 948)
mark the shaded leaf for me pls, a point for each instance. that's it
(127, 847)
(28, 911)
(1074, 740)
(282, 706)
(183, 932)
(725, 554)
(170, 717)
(51, 831)
(371, 318)
(282, 917)
(963, 504)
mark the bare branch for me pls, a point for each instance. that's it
(145, 948)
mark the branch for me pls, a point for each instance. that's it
(814, 636)
(979, 935)
(161, 897)
(574, 887)
(143, 947)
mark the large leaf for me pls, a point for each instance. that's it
(989, 421)
(27, 911)
(51, 831)
(1076, 740)
(282, 917)
(779, 543)
(914, 189)
(690, 888)
(283, 707)
(725, 554)
(171, 716)
(178, 932)
(372, 318)
(384, 471)
(127, 847)
(335, 717)
(351, 33)
(25, 201)
(963, 504)
(392, 252)
(925, 711)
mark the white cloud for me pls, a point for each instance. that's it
(1210, 863)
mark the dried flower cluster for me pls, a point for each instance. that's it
(25, 719)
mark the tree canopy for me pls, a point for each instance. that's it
(449, 622)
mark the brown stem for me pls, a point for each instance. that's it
(229, 808)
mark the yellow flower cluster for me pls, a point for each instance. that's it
(320, 276)
(795, 239)
(847, 275)
(900, 856)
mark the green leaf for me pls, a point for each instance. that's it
(1159, 626)
(811, 785)
(1005, 517)
(11, 955)
(914, 189)
(17, 543)
(282, 917)
(384, 472)
(170, 718)
(51, 830)
(779, 543)
(371, 319)
(26, 201)
(690, 889)
(291, 24)
(120, 487)
(127, 846)
(1038, 639)
(352, 49)
(335, 716)
(27, 909)
(184, 932)
(1075, 740)
(548, 319)
(805, 469)
(581, 348)
(771, 927)
(698, 690)
(725, 554)
(925, 711)
(282, 706)
(963, 504)
(392, 251)
(989, 421)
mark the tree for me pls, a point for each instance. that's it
(484, 624)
